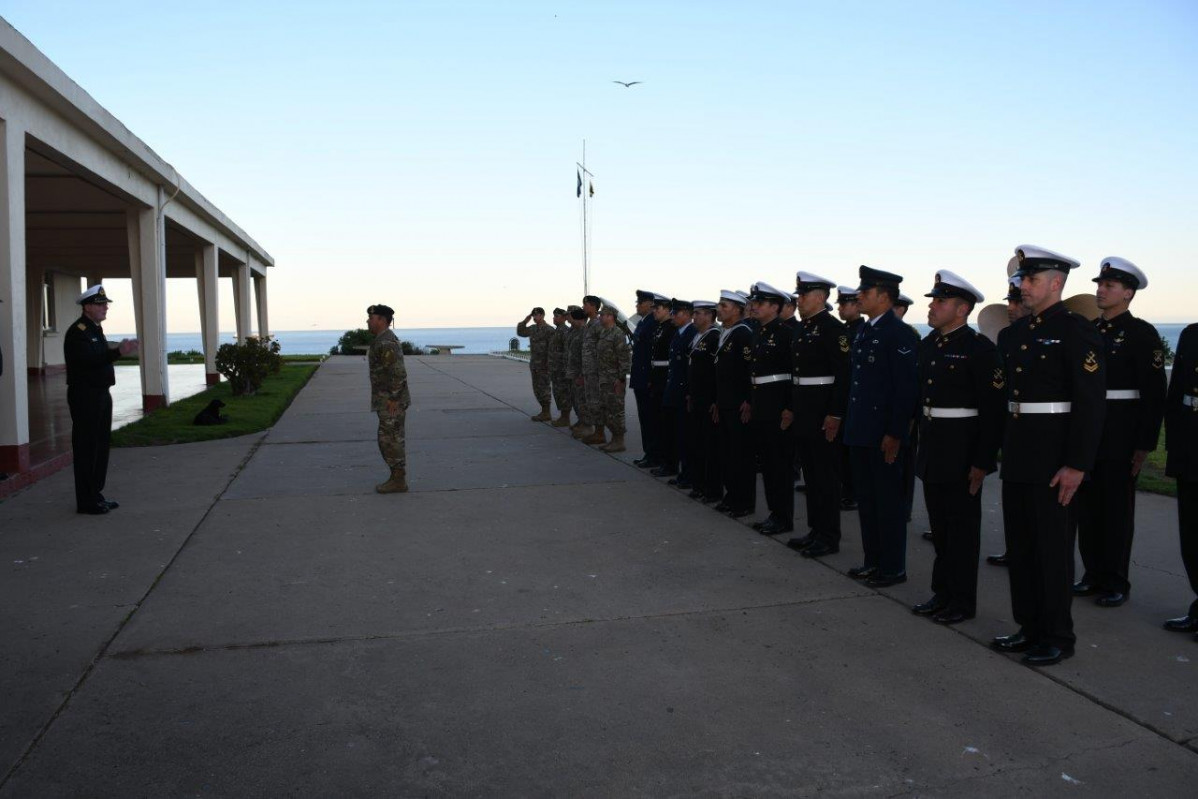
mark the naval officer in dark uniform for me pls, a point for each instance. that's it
(770, 412)
(1056, 398)
(674, 400)
(733, 364)
(638, 380)
(961, 410)
(882, 398)
(659, 371)
(1181, 463)
(821, 378)
(1135, 407)
(702, 426)
(848, 308)
(90, 375)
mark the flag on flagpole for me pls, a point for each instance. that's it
(591, 184)
(578, 191)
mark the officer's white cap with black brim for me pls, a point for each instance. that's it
(93, 296)
(1123, 270)
(737, 297)
(807, 281)
(764, 291)
(661, 299)
(1034, 259)
(703, 305)
(846, 294)
(1013, 292)
(950, 284)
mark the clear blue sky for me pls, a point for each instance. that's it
(422, 153)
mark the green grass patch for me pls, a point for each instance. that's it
(1152, 475)
(173, 424)
(191, 357)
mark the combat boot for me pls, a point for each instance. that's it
(563, 420)
(616, 444)
(544, 415)
(396, 484)
(583, 430)
(596, 437)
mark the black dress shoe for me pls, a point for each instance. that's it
(758, 525)
(880, 580)
(740, 513)
(1112, 599)
(1046, 655)
(776, 526)
(948, 616)
(722, 507)
(848, 504)
(663, 471)
(111, 504)
(929, 608)
(641, 461)
(695, 494)
(997, 560)
(926, 534)
(683, 485)
(1017, 642)
(862, 572)
(1082, 588)
(1182, 624)
(98, 509)
(707, 500)
(801, 542)
(819, 549)
(647, 462)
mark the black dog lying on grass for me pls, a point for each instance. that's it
(211, 414)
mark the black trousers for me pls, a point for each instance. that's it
(1187, 528)
(776, 450)
(91, 429)
(880, 507)
(666, 433)
(682, 443)
(908, 456)
(646, 416)
(847, 490)
(956, 521)
(1040, 532)
(821, 471)
(737, 461)
(1106, 513)
(704, 452)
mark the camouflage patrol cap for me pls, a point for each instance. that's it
(559, 312)
(385, 311)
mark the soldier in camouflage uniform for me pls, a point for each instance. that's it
(574, 368)
(590, 372)
(539, 334)
(389, 396)
(615, 360)
(557, 368)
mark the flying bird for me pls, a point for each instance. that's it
(626, 85)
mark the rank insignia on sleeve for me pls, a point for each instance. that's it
(1090, 364)
(844, 343)
(1000, 379)
(81, 326)
(1158, 359)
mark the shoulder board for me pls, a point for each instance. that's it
(81, 326)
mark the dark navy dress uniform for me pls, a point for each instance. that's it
(664, 453)
(1053, 357)
(734, 360)
(770, 395)
(1135, 407)
(1181, 462)
(702, 430)
(90, 375)
(848, 495)
(820, 389)
(961, 413)
(882, 399)
(638, 381)
(675, 399)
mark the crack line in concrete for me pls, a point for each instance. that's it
(415, 635)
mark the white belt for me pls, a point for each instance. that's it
(1191, 400)
(1122, 393)
(1039, 407)
(659, 363)
(814, 381)
(949, 413)
(757, 381)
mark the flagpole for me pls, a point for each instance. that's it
(585, 193)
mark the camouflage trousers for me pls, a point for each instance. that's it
(391, 439)
(578, 401)
(541, 384)
(613, 406)
(562, 394)
(593, 400)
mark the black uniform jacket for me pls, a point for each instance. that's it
(680, 350)
(89, 360)
(821, 349)
(772, 355)
(959, 370)
(642, 352)
(1181, 420)
(1135, 360)
(663, 336)
(1055, 356)
(701, 379)
(883, 393)
(733, 360)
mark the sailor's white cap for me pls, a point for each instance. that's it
(846, 294)
(1037, 259)
(1123, 270)
(805, 281)
(950, 284)
(93, 296)
(704, 305)
(764, 291)
(738, 297)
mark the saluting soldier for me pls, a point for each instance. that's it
(665, 457)
(90, 375)
(1135, 407)
(557, 368)
(963, 396)
(676, 389)
(1181, 463)
(703, 429)
(615, 359)
(577, 321)
(848, 308)
(733, 371)
(539, 334)
(820, 381)
(882, 399)
(638, 381)
(1056, 392)
(1015, 310)
(770, 411)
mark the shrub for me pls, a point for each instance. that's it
(353, 342)
(246, 365)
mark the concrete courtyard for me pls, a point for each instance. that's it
(536, 618)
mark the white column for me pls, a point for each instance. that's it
(241, 300)
(207, 276)
(34, 300)
(260, 296)
(14, 383)
(147, 262)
